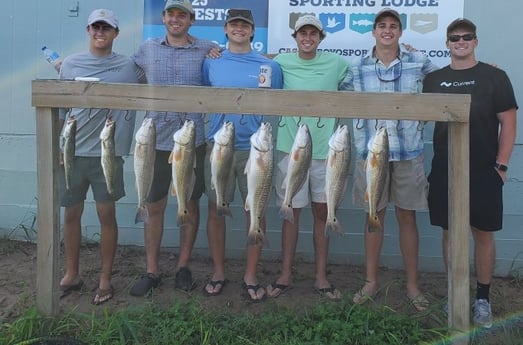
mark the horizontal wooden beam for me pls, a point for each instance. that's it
(428, 107)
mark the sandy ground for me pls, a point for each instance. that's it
(18, 285)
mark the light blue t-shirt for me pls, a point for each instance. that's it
(115, 68)
(238, 70)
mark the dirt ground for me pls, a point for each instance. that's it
(18, 285)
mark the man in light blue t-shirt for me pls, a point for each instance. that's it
(238, 66)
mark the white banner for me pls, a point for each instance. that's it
(348, 24)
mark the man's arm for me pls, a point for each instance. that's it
(507, 135)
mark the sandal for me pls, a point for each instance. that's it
(420, 302)
(361, 297)
(103, 295)
(247, 287)
(275, 289)
(215, 283)
(329, 292)
(67, 289)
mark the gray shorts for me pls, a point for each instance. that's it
(313, 187)
(406, 188)
(237, 176)
(87, 172)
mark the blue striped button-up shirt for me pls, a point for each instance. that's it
(168, 65)
(405, 74)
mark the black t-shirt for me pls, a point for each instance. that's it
(491, 93)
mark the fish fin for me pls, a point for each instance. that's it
(223, 210)
(173, 190)
(333, 226)
(366, 196)
(142, 215)
(257, 237)
(171, 156)
(374, 224)
(287, 213)
(247, 206)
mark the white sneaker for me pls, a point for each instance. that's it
(482, 313)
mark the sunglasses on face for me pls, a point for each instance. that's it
(466, 37)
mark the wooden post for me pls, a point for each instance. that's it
(48, 215)
(459, 229)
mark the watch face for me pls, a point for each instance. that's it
(501, 167)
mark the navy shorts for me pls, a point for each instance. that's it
(163, 175)
(486, 199)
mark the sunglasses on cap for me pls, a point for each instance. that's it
(239, 13)
(466, 37)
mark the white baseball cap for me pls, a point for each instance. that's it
(103, 15)
(308, 19)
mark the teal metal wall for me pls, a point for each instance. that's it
(33, 23)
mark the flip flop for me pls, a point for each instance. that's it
(330, 292)
(419, 302)
(215, 283)
(103, 295)
(361, 297)
(247, 287)
(277, 289)
(67, 289)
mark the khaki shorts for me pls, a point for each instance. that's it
(314, 185)
(237, 176)
(406, 188)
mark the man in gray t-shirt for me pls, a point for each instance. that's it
(98, 62)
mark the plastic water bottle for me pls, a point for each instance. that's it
(52, 57)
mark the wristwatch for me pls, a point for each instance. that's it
(501, 167)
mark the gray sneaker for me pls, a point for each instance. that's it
(482, 313)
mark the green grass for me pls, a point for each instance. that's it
(187, 323)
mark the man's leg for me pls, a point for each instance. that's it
(409, 242)
(72, 241)
(289, 239)
(108, 243)
(321, 251)
(251, 265)
(373, 244)
(216, 237)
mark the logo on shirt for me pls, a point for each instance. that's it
(458, 83)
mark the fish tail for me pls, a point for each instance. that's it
(333, 226)
(374, 223)
(257, 237)
(142, 215)
(183, 217)
(223, 210)
(287, 213)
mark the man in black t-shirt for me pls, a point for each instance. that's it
(493, 113)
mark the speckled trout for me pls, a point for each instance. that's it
(259, 181)
(69, 147)
(376, 170)
(300, 158)
(144, 157)
(337, 171)
(108, 154)
(182, 160)
(221, 157)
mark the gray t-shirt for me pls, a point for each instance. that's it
(115, 68)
